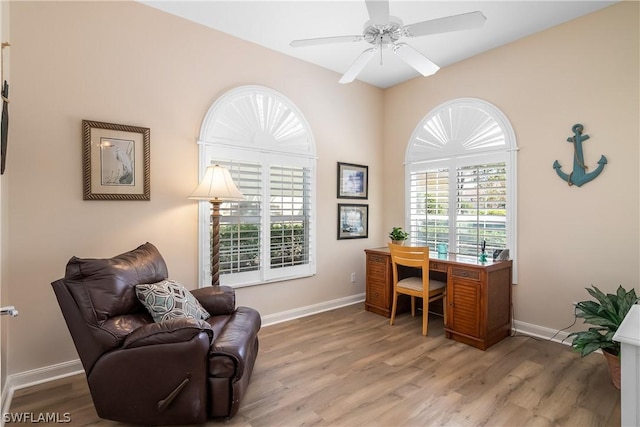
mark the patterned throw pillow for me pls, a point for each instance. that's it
(168, 299)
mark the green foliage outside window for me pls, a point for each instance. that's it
(240, 246)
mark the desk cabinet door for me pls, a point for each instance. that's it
(378, 281)
(463, 313)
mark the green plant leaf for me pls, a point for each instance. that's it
(589, 348)
(627, 300)
(594, 314)
(606, 314)
(587, 342)
(604, 300)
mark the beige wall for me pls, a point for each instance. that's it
(4, 205)
(126, 63)
(585, 71)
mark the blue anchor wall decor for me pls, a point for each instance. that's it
(579, 175)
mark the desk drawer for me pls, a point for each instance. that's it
(465, 273)
(378, 259)
(376, 270)
(376, 294)
(437, 266)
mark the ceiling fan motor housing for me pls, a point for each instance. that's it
(383, 35)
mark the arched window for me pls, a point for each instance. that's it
(460, 179)
(267, 145)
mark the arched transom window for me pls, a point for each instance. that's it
(267, 145)
(460, 179)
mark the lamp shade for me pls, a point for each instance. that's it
(216, 185)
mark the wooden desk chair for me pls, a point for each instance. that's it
(428, 290)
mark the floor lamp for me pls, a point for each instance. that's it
(216, 187)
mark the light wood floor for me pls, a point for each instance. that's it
(348, 367)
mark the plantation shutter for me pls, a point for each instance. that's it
(429, 206)
(260, 242)
(481, 200)
(462, 209)
(240, 222)
(289, 216)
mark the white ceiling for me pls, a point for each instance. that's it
(274, 24)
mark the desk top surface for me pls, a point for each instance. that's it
(451, 258)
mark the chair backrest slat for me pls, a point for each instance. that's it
(410, 256)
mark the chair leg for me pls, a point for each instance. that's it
(413, 306)
(425, 315)
(393, 308)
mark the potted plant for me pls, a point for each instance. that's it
(398, 236)
(605, 314)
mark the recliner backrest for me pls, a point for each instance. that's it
(102, 294)
(106, 287)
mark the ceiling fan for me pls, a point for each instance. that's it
(383, 30)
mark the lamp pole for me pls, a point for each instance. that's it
(215, 242)
(216, 187)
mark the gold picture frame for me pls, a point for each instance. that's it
(115, 159)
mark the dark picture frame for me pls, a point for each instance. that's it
(353, 181)
(353, 221)
(116, 161)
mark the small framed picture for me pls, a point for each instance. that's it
(115, 161)
(353, 221)
(353, 181)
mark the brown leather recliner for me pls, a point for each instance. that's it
(179, 371)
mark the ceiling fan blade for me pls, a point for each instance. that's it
(464, 21)
(378, 11)
(415, 59)
(325, 40)
(358, 65)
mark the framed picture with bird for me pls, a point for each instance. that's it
(115, 161)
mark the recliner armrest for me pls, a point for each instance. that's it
(217, 300)
(235, 347)
(170, 331)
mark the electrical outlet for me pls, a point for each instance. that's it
(353, 277)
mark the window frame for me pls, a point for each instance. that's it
(423, 157)
(267, 153)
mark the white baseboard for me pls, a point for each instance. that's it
(45, 374)
(272, 319)
(541, 332)
(34, 377)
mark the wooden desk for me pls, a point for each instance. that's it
(478, 294)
